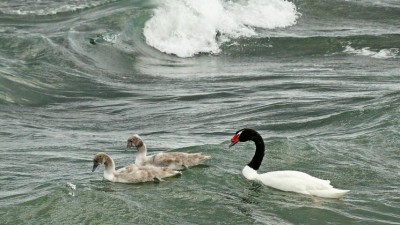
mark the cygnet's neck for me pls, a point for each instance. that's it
(141, 154)
(109, 165)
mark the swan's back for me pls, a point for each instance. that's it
(299, 182)
(176, 160)
(138, 174)
(127, 168)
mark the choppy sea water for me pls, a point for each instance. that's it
(320, 81)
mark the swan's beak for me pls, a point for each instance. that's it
(129, 145)
(95, 165)
(234, 140)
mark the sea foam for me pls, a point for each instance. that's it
(381, 54)
(189, 27)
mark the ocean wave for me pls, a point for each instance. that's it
(188, 27)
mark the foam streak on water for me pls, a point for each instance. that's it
(45, 7)
(366, 51)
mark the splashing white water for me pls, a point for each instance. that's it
(189, 27)
(72, 188)
(381, 54)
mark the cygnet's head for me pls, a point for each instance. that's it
(99, 158)
(135, 140)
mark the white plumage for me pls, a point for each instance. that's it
(295, 181)
(286, 180)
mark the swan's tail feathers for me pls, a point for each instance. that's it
(193, 159)
(205, 157)
(330, 193)
(200, 158)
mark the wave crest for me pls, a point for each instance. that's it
(189, 27)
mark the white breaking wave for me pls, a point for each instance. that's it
(189, 27)
(381, 54)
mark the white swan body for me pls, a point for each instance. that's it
(287, 180)
(295, 181)
(131, 173)
(173, 160)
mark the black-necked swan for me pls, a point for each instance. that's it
(293, 181)
(131, 173)
(173, 160)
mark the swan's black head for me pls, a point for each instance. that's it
(244, 135)
(247, 134)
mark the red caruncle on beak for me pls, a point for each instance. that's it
(234, 140)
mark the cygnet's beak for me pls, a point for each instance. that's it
(95, 165)
(129, 145)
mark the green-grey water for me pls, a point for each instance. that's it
(319, 80)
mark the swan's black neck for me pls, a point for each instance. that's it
(255, 163)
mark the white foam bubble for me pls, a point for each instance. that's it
(72, 188)
(189, 27)
(381, 54)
